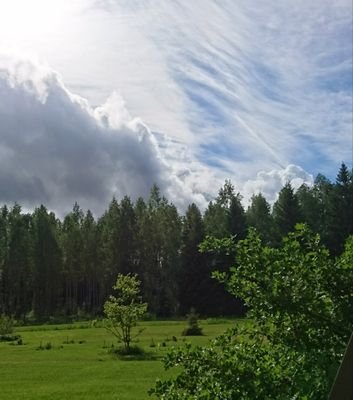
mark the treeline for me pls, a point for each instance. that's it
(62, 268)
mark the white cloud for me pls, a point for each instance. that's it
(270, 79)
(232, 87)
(270, 183)
(55, 149)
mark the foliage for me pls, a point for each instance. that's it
(6, 324)
(193, 328)
(9, 338)
(300, 302)
(125, 310)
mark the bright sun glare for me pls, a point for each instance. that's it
(29, 19)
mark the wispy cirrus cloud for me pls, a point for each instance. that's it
(270, 82)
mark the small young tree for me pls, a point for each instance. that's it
(193, 328)
(125, 309)
(6, 324)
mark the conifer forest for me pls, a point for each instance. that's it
(57, 269)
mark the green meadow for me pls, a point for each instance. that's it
(72, 362)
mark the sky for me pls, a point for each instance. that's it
(103, 98)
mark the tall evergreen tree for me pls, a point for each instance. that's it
(323, 192)
(4, 212)
(340, 211)
(47, 260)
(311, 207)
(194, 274)
(91, 300)
(72, 243)
(225, 216)
(108, 252)
(19, 262)
(157, 257)
(286, 211)
(259, 216)
(126, 240)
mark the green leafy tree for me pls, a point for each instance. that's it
(124, 310)
(301, 313)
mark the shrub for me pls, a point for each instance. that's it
(193, 328)
(132, 353)
(9, 338)
(6, 324)
(47, 346)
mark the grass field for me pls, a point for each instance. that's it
(77, 364)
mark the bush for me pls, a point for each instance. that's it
(132, 353)
(47, 346)
(6, 324)
(193, 328)
(9, 338)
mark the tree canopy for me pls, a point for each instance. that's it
(64, 268)
(300, 319)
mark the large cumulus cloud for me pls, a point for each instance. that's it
(56, 149)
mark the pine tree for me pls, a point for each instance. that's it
(286, 211)
(47, 260)
(3, 256)
(72, 244)
(91, 301)
(258, 215)
(340, 211)
(19, 264)
(194, 274)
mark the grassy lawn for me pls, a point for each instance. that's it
(78, 365)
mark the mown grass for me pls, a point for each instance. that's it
(60, 362)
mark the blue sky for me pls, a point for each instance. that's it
(250, 91)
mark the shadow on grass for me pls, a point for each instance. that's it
(134, 353)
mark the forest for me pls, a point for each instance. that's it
(57, 269)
